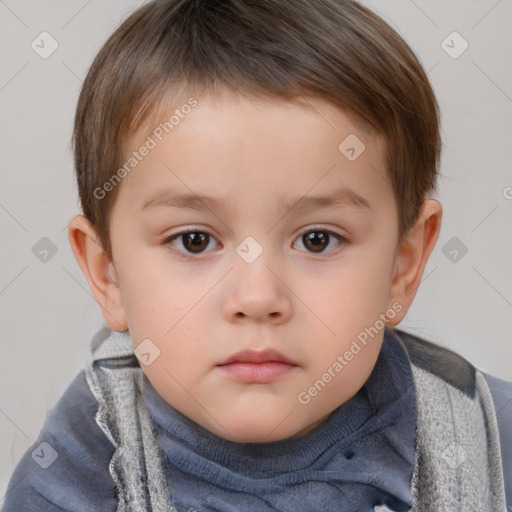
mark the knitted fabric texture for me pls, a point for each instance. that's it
(457, 452)
(115, 380)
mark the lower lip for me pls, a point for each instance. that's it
(257, 372)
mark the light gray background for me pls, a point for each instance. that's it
(47, 311)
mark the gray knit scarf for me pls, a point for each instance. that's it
(457, 452)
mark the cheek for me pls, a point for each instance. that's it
(169, 307)
(350, 304)
(154, 300)
(353, 297)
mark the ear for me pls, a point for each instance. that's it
(412, 257)
(98, 270)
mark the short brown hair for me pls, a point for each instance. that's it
(337, 50)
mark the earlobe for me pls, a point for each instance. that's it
(98, 270)
(412, 257)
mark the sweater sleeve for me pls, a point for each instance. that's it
(501, 391)
(66, 469)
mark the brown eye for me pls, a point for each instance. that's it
(195, 242)
(316, 241)
(191, 242)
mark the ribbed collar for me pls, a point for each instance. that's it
(386, 399)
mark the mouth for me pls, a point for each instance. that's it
(257, 366)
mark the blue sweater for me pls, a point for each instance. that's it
(362, 456)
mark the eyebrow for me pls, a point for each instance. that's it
(337, 198)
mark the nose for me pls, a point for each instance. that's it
(257, 292)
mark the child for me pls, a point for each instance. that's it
(260, 367)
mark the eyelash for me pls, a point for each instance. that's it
(190, 255)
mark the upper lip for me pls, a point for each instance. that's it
(257, 356)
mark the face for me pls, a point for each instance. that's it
(252, 253)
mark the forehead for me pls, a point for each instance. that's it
(231, 142)
(225, 101)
